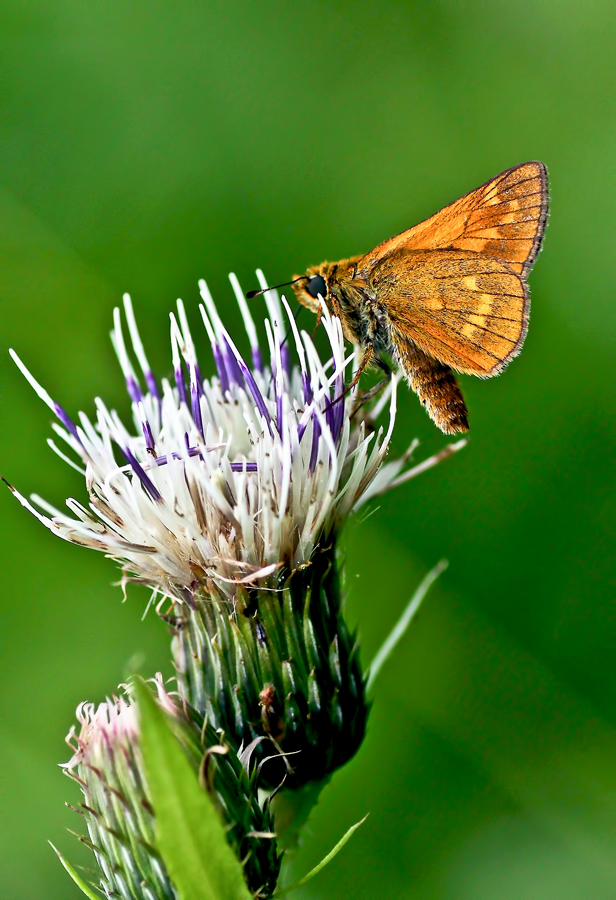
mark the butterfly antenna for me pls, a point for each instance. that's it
(250, 295)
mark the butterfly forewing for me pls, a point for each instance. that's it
(504, 219)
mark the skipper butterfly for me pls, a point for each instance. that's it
(448, 295)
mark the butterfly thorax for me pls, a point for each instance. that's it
(351, 298)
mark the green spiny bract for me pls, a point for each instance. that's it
(279, 664)
(108, 767)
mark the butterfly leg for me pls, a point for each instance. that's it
(367, 396)
(365, 362)
(380, 362)
(366, 359)
(437, 388)
(319, 316)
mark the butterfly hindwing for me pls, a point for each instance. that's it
(468, 311)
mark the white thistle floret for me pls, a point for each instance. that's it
(105, 728)
(225, 479)
(111, 727)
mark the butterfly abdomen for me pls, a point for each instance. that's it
(434, 383)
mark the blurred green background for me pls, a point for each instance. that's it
(147, 144)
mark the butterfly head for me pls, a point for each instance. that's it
(312, 286)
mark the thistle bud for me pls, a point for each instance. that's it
(108, 766)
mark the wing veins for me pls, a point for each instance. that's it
(494, 185)
(477, 274)
(501, 337)
(497, 223)
(459, 312)
(500, 294)
(483, 271)
(512, 200)
(455, 350)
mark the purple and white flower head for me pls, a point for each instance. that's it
(224, 480)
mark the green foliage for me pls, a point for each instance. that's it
(326, 859)
(189, 832)
(233, 781)
(399, 629)
(81, 884)
(117, 802)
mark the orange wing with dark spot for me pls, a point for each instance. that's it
(503, 219)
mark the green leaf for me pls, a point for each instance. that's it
(326, 859)
(189, 832)
(403, 623)
(87, 890)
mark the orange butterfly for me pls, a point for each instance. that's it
(448, 294)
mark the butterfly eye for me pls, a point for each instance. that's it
(316, 285)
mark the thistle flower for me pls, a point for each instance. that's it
(226, 498)
(222, 479)
(107, 765)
